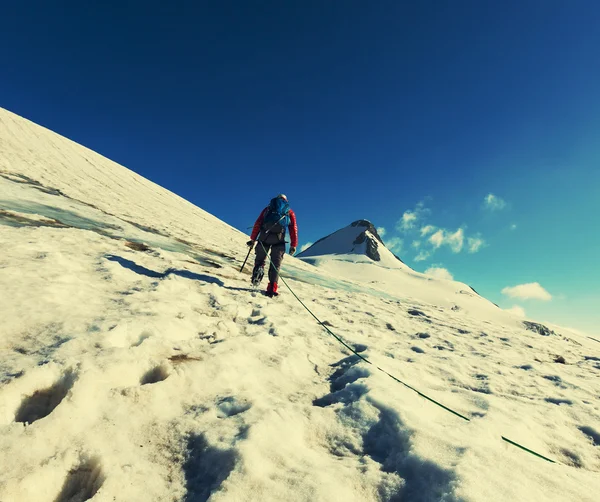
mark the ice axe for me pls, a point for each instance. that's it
(249, 251)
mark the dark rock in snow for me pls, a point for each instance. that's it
(372, 245)
(538, 328)
(368, 226)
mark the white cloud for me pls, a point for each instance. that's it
(423, 255)
(529, 291)
(439, 273)
(381, 231)
(437, 239)
(493, 202)
(394, 244)
(427, 229)
(475, 244)
(305, 246)
(454, 240)
(429, 238)
(516, 310)
(410, 218)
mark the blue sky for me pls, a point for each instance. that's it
(354, 110)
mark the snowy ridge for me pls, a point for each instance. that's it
(84, 175)
(137, 364)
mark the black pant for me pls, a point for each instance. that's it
(277, 252)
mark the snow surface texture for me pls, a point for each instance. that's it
(138, 365)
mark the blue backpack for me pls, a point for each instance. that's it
(277, 218)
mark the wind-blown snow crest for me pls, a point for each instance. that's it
(137, 364)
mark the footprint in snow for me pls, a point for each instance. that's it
(480, 402)
(556, 380)
(558, 401)
(257, 317)
(82, 482)
(445, 345)
(206, 467)
(343, 383)
(44, 401)
(144, 336)
(483, 386)
(155, 375)
(571, 458)
(389, 443)
(230, 406)
(351, 393)
(591, 433)
(526, 367)
(213, 302)
(7, 377)
(421, 315)
(258, 320)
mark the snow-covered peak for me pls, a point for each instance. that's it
(355, 242)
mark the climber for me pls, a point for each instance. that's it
(269, 230)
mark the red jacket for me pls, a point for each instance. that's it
(292, 227)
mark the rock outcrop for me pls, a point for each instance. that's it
(538, 328)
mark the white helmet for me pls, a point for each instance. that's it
(282, 196)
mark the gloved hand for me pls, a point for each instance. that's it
(292, 250)
(250, 244)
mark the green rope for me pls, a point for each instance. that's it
(527, 449)
(369, 362)
(424, 395)
(339, 339)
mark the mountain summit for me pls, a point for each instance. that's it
(360, 238)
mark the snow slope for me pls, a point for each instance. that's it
(357, 252)
(137, 364)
